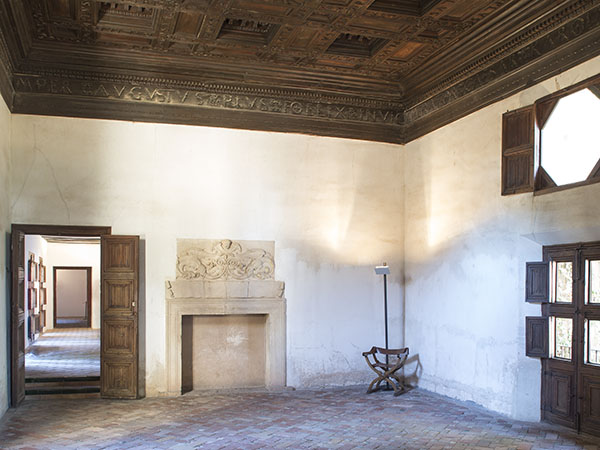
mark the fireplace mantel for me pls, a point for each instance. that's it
(226, 278)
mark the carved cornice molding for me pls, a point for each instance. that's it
(296, 99)
(587, 9)
(6, 71)
(568, 33)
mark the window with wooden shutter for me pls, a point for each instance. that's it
(552, 144)
(518, 151)
(536, 337)
(537, 282)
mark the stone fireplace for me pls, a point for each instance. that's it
(225, 317)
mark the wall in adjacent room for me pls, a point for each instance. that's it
(334, 208)
(466, 248)
(36, 247)
(75, 255)
(5, 131)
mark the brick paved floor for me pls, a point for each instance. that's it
(64, 352)
(337, 418)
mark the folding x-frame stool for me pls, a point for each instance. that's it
(386, 371)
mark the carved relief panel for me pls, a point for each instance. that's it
(209, 260)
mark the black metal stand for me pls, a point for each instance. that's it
(387, 358)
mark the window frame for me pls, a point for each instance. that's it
(521, 169)
(552, 99)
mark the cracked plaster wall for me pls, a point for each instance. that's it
(5, 130)
(466, 248)
(334, 208)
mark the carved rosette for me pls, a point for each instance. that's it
(224, 260)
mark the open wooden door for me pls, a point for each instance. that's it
(119, 323)
(17, 311)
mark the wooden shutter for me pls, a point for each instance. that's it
(17, 310)
(518, 151)
(536, 337)
(537, 282)
(119, 352)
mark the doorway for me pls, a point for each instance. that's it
(118, 303)
(72, 297)
(571, 373)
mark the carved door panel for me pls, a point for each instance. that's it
(119, 329)
(18, 318)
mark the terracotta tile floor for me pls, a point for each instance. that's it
(64, 352)
(337, 418)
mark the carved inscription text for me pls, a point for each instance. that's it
(199, 98)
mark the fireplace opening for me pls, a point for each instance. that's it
(223, 351)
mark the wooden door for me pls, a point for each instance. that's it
(17, 318)
(559, 374)
(119, 321)
(571, 374)
(588, 382)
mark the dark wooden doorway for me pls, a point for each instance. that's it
(82, 319)
(571, 373)
(119, 305)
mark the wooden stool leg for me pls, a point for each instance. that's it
(371, 389)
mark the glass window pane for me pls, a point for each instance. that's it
(593, 344)
(563, 337)
(563, 282)
(570, 146)
(594, 282)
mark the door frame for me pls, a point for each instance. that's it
(88, 283)
(17, 378)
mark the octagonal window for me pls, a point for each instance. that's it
(570, 144)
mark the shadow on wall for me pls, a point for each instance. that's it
(412, 371)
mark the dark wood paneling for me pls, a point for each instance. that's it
(518, 146)
(116, 338)
(119, 328)
(561, 396)
(536, 337)
(590, 407)
(537, 282)
(17, 318)
(63, 230)
(119, 379)
(120, 296)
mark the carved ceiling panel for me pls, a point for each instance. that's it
(395, 66)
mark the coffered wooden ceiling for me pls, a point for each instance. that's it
(385, 70)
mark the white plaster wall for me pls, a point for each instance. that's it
(5, 130)
(71, 290)
(466, 248)
(36, 245)
(334, 207)
(75, 255)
